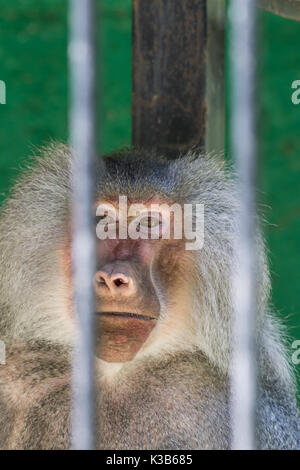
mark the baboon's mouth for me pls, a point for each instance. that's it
(124, 315)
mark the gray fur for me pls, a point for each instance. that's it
(171, 397)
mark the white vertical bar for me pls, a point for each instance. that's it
(82, 137)
(243, 379)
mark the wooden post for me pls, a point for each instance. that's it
(169, 75)
(287, 8)
(215, 88)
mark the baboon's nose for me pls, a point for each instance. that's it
(115, 283)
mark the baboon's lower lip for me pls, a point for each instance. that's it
(136, 316)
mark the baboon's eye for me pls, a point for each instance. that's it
(150, 224)
(105, 219)
(150, 221)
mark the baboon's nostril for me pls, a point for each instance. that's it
(120, 280)
(117, 283)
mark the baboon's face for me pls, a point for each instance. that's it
(134, 276)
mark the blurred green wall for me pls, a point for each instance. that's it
(33, 63)
(279, 129)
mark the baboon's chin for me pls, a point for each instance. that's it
(120, 335)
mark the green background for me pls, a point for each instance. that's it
(279, 145)
(33, 63)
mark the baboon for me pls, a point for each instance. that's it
(165, 313)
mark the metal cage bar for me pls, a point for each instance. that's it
(82, 137)
(243, 377)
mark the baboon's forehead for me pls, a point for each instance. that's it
(134, 194)
(154, 203)
(135, 179)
